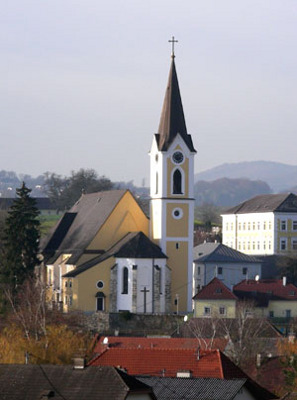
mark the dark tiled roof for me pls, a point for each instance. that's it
(172, 119)
(203, 388)
(29, 382)
(266, 203)
(194, 388)
(217, 252)
(264, 290)
(205, 328)
(91, 211)
(132, 245)
(215, 290)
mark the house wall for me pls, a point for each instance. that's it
(142, 275)
(232, 273)
(260, 233)
(126, 217)
(279, 307)
(84, 287)
(214, 305)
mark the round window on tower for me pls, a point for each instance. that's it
(177, 213)
(100, 284)
(177, 157)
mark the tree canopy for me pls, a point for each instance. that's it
(20, 244)
(65, 191)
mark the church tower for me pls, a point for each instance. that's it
(172, 193)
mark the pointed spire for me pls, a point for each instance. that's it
(172, 119)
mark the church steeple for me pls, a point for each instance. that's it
(172, 193)
(172, 119)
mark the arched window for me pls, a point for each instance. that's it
(177, 182)
(125, 280)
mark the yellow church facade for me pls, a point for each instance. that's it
(106, 255)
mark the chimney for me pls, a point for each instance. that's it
(258, 360)
(79, 363)
(284, 280)
(198, 353)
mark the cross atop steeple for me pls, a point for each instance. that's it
(172, 41)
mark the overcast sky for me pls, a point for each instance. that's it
(82, 82)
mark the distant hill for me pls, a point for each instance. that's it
(227, 192)
(280, 177)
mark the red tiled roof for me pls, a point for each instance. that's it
(272, 287)
(130, 342)
(167, 362)
(215, 290)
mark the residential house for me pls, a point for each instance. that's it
(263, 225)
(217, 260)
(273, 298)
(215, 300)
(106, 255)
(41, 382)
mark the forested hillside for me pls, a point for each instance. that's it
(228, 192)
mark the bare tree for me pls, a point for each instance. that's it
(29, 309)
(244, 333)
(205, 330)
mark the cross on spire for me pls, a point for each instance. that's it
(172, 41)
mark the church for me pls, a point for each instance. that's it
(106, 255)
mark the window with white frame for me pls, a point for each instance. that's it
(283, 225)
(222, 310)
(239, 226)
(254, 226)
(207, 311)
(258, 225)
(283, 244)
(244, 226)
(264, 225)
(294, 225)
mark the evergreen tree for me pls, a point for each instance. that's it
(21, 239)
